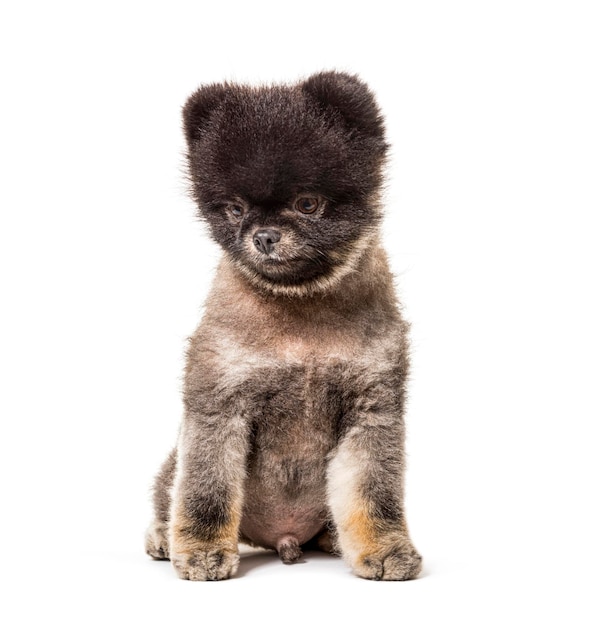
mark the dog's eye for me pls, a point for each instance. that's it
(307, 205)
(236, 211)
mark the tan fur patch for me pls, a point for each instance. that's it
(362, 530)
(184, 543)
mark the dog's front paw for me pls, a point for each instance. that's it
(209, 563)
(401, 563)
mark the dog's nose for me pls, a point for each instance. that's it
(265, 238)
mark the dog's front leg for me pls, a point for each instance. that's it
(365, 495)
(207, 494)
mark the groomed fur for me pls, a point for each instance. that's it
(295, 380)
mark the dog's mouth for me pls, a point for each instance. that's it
(290, 269)
(287, 270)
(298, 268)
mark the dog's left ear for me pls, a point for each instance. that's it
(345, 95)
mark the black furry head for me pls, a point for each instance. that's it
(287, 177)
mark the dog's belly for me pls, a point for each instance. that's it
(268, 524)
(285, 489)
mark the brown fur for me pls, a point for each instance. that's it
(295, 379)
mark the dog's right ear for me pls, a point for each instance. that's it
(198, 107)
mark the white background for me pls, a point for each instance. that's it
(492, 111)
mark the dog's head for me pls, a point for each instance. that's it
(287, 177)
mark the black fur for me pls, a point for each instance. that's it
(324, 136)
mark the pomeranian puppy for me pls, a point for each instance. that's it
(293, 430)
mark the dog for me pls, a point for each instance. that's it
(295, 380)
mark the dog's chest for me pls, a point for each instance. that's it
(294, 409)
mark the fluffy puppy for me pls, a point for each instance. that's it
(295, 379)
